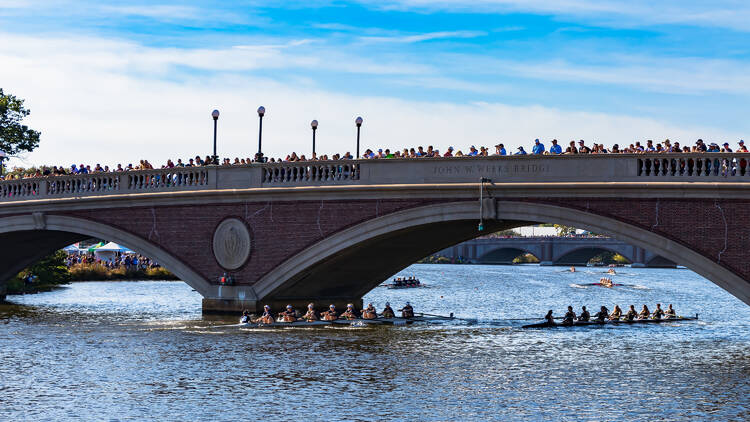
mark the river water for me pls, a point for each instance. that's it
(142, 350)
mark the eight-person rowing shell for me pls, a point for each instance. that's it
(290, 315)
(603, 316)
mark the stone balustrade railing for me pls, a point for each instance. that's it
(311, 172)
(713, 167)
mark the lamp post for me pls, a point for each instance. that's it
(314, 125)
(3, 156)
(215, 115)
(261, 113)
(358, 121)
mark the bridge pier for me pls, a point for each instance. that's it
(639, 258)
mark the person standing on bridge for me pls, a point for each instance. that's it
(521, 151)
(555, 148)
(500, 150)
(538, 148)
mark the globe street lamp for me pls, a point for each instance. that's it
(358, 121)
(314, 125)
(215, 115)
(261, 113)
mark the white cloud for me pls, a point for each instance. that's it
(107, 101)
(733, 14)
(424, 37)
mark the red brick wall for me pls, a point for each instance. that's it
(279, 230)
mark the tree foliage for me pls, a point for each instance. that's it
(15, 137)
(564, 230)
(51, 269)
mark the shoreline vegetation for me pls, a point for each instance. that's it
(52, 272)
(604, 258)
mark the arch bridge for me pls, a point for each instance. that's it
(550, 250)
(329, 232)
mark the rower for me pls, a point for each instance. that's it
(369, 312)
(585, 315)
(330, 314)
(245, 317)
(632, 313)
(388, 311)
(602, 315)
(407, 311)
(549, 319)
(658, 312)
(670, 313)
(289, 315)
(267, 317)
(645, 313)
(569, 317)
(350, 313)
(572, 269)
(310, 315)
(616, 314)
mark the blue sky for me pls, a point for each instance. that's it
(120, 81)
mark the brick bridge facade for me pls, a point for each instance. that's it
(331, 234)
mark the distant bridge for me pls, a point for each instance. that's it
(550, 250)
(330, 231)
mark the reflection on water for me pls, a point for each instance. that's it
(129, 350)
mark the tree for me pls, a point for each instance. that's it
(51, 269)
(564, 230)
(14, 136)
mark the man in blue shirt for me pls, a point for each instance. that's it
(520, 151)
(555, 149)
(473, 151)
(538, 148)
(500, 150)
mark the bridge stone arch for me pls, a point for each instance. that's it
(506, 255)
(582, 255)
(351, 262)
(25, 239)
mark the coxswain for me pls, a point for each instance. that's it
(388, 311)
(267, 317)
(572, 269)
(585, 315)
(245, 317)
(330, 314)
(407, 311)
(669, 313)
(616, 314)
(602, 315)
(658, 312)
(289, 315)
(549, 319)
(369, 312)
(310, 315)
(349, 313)
(645, 313)
(632, 313)
(569, 317)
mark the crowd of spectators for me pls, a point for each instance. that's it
(538, 148)
(132, 262)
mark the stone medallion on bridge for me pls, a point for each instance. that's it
(231, 244)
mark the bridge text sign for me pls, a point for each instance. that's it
(491, 169)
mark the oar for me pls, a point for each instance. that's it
(447, 317)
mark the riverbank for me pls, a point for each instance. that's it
(84, 272)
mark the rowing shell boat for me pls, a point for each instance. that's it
(353, 322)
(617, 322)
